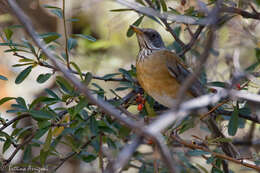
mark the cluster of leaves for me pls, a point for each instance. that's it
(64, 116)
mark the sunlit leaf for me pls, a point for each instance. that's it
(130, 31)
(48, 139)
(8, 33)
(50, 36)
(88, 37)
(163, 4)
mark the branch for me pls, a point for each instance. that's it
(104, 106)
(124, 156)
(63, 160)
(14, 120)
(20, 146)
(240, 12)
(219, 155)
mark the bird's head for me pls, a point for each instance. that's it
(148, 38)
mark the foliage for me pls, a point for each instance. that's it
(64, 115)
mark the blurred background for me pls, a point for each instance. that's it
(113, 49)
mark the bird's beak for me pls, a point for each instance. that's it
(136, 29)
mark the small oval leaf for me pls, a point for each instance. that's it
(20, 78)
(43, 77)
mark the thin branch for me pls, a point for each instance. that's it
(240, 12)
(20, 146)
(14, 120)
(124, 156)
(219, 155)
(72, 154)
(192, 41)
(66, 33)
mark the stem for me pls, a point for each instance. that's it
(66, 34)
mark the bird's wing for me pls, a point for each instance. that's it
(180, 72)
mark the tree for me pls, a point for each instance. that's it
(90, 124)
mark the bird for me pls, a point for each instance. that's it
(160, 73)
(159, 70)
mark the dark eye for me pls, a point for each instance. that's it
(153, 35)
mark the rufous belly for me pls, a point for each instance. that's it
(154, 77)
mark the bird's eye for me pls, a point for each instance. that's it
(153, 35)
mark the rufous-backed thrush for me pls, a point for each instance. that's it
(160, 73)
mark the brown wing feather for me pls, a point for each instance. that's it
(180, 72)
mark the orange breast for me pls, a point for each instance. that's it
(153, 76)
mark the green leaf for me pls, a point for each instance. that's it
(149, 109)
(53, 94)
(47, 143)
(77, 69)
(93, 125)
(82, 103)
(27, 154)
(20, 78)
(3, 77)
(64, 84)
(197, 152)
(57, 12)
(121, 10)
(50, 36)
(163, 4)
(71, 43)
(21, 102)
(43, 77)
(252, 67)
(218, 84)
(8, 33)
(88, 37)
(257, 54)
(43, 157)
(42, 99)
(5, 99)
(7, 144)
(51, 7)
(87, 157)
(257, 2)
(39, 133)
(233, 122)
(130, 31)
(88, 78)
(41, 115)
(110, 76)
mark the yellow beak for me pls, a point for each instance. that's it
(136, 29)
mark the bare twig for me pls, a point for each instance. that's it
(219, 155)
(14, 120)
(20, 146)
(124, 156)
(240, 12)
(65, 33)
(72, 154)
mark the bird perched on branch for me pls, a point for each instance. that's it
(160, 72)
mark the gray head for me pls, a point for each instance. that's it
(148, 38)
